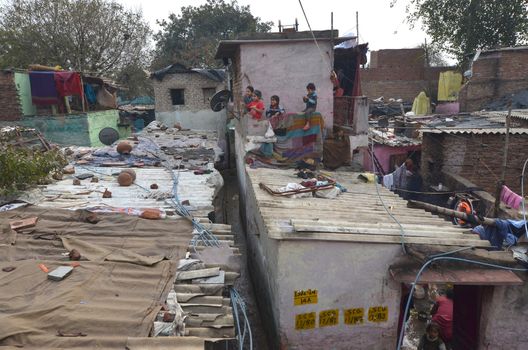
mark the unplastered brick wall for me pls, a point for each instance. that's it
(10, 108)
(192, 85)
(400, 73)
(495, 74)
(476, 157)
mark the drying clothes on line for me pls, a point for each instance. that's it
(68, 83)
(510, 198)
(89, 92)
(388, 181)
(43, 88)
(504, 231)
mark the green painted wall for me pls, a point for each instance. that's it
(24, 92)
(102, 119)
(80, 129)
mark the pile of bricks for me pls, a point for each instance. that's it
(10, 108)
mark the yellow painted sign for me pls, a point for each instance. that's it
(378, 314)
(354, 316)
(305, 321)
(303, 297)
(328, 318)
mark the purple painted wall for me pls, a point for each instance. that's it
(383, 153)
(285, 68)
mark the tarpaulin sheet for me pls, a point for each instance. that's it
(103, 302)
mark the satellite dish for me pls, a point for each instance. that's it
(108, 136)
(220, 100)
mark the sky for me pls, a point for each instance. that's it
(382, 26)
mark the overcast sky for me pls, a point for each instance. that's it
(380, 25)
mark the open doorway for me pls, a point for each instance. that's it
(456, 309)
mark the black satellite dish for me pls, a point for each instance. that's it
(108, 136)
(220, 100)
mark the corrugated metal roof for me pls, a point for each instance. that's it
(356, 215)
(477, 131)
(500, 116)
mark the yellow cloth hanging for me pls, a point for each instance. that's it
(449, 85)
(421, 104)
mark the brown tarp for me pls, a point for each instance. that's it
(113, 296)
(336, 153)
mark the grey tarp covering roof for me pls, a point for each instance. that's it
(213, 74)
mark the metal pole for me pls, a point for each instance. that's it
(357, 26)
(501, 182)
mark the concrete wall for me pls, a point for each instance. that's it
(284, 69)
(495, 74)
(24, 92)
(196, 113)
(399, 73)
(346, 276)
(477, 158)
(384, 153)
(74, 129)
(503, 320)
(9, 102)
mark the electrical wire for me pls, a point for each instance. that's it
(238, 304)
(422, 269)
(313, 36)
(402, 236)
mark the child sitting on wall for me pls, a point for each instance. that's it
(311, 104)
(256, 107)
(274, 109)
(248, 96)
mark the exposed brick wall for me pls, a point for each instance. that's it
(495, 74)
(10, 108)
(399, 74)
(193, 85)
(477, 158)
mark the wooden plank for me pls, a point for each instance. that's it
(203, 273)
(378, 225)
(362, 238)
(381, 231)
(476, 277)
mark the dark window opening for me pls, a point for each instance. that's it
(177, 97)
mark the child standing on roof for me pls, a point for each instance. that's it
(311, 103)
(275, 109)
(256, 107)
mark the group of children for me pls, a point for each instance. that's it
(255, 106)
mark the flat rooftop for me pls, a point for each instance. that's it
(357, 215)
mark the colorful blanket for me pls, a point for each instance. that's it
(293, 143)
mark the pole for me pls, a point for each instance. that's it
(450, 212)
(332, 38)
(501, 182)
(357, 26)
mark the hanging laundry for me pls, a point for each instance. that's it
(510, 198)
(43, 89)
(68, 83)
(421, 104)
(89, 92)
(449, 84)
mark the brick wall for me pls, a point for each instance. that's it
(10, 108)
(495, 74)
(477, 158)
(192, 84)
(399, 74)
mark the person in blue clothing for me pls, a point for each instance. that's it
(311, 104)
(275, 109)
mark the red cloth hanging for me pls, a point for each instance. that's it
(68, 83)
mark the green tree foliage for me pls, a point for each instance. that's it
(191, 38)
(136, 78)
(86, 35)
(461, 27)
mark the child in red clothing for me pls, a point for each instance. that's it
(256, 107)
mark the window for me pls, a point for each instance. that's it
(177, 97)
(208, 93)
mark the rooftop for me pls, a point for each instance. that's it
(357, 215)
